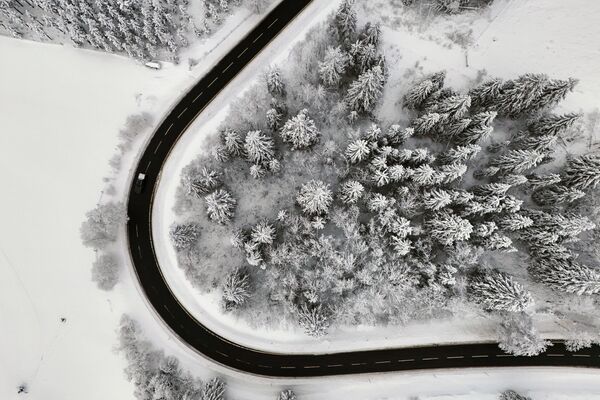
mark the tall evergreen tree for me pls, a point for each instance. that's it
(300, 131)
(500, 292)
(567, 276)
(556, 194)
(220, 206)
(582, 172)
(184, 235)
(517, 161)
(345, 22)
(259, 147)
(552, 124)
(365, 92)
(315, 197)
(333, 66)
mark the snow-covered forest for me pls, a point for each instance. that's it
(145, 30)
(312, 207)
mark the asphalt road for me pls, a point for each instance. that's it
(244, 359)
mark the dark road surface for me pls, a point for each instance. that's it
(191, 331)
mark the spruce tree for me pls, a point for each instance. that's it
(567, 276)
(519, 337)
(259, 147)
(427, 124)
(436, 199)
(539, 181)
(345, 22)
(365, 92)
(486, 93)
(479, 128)
(455, 107)
(203, 182)
(518, 161)
(514, 222)
(460, 154)
(543, 143)
(418, 94)
(357, 151)
(333, 66)
(552, 124)
(232, 142)
(371, 33)
(184, 235)
(275, 83)
(556, 194)
(300, 131)
(235, 290)
(582, 172)
(314, 197)
(220, 206)
(500, 292)
(396, 135)
(314, 320)
(350, 192)
(448, 228)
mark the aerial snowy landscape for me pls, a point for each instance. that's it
(296, 199)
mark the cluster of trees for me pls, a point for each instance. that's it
(389, 222)
(157, 376)
(144, 30)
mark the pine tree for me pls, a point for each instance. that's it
(460, 154)
(232, 142)
(436, 199)
(235, 289)
(365, 92)
(478, 129)
(263, 233)
(275, 84)
(514, 222)
(486, 93)
(567, 276)
(350, 192)
(500, 292)
(184, 235)
(455, 107)
(556, 194)
(357, 151)
(539, 181)
(427, 124)
(544, 143)
(314, 197)
(202, 182)
(396, 135)
(448, 228)
(512, 395)
(273, 118)
(582, 172)
(300, 131)
(552, 124)
(345, 22)
(257, 171)
(371, 33)
(314, 320)
(416, 96)
(333, 66)
(451, 172)
(519, 337)
(455, 128)
(518, 161)
(220, 206)
(259, 147)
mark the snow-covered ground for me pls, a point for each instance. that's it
(506, 41)
(60, 111)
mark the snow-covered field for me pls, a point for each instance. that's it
(508, 39)
(60, 111)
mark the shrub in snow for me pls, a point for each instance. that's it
(300, 131)
(512, 395)
(102, 224)
(220, 206)
(287, 394)
(105, 271)
(500, 292)
(184, 236)
(314, 197)
(517, 336)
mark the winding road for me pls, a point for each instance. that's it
(223, 351)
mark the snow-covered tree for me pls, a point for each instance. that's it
(396, 135)
(582, 172)
(519, 337)
(273, 118)
(105, 271)
(300, 131)
(263, 233)
(539, 181)
(314, 197)
(486, 93)
(257, 171)
(436, 199)
(500, 292)
(578, 341)
(365, 92)
(102, 224)
(287, 394)
(184, 235)
(460, 154)
(416, 96)
(333, 66)
(220, 206)
(314, 319)
(427, 124)
(232, 142)
(448, 228)
(567, 276)
(518, 161)
(213, 390)
(275, 83)
(236, 289)
(556, 194)
(514, 222)
(357, 151)
(350, 192)
(537, 143)
(345, 22)
(512, 395)
(259, 147)
(478, 129)
(202, 182)
(552, 124)
(455, 107)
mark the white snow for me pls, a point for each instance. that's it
(496, 49)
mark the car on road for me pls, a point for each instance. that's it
(139, 183)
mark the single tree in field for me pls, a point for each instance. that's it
(333, 66)
(259, 147)
(220, 206)
(102, 224)
(275, 83)
(448, 228)
(345, 22)
(519, 337)
(500, 292)
(583, 172)
(365, 92)
(552, 124)
(184, 235)
(236, 289)
(517, 161)
(314, 320)
(300, 131)
(512, 395)
(314, 197)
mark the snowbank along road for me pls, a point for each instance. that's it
(223, 351)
